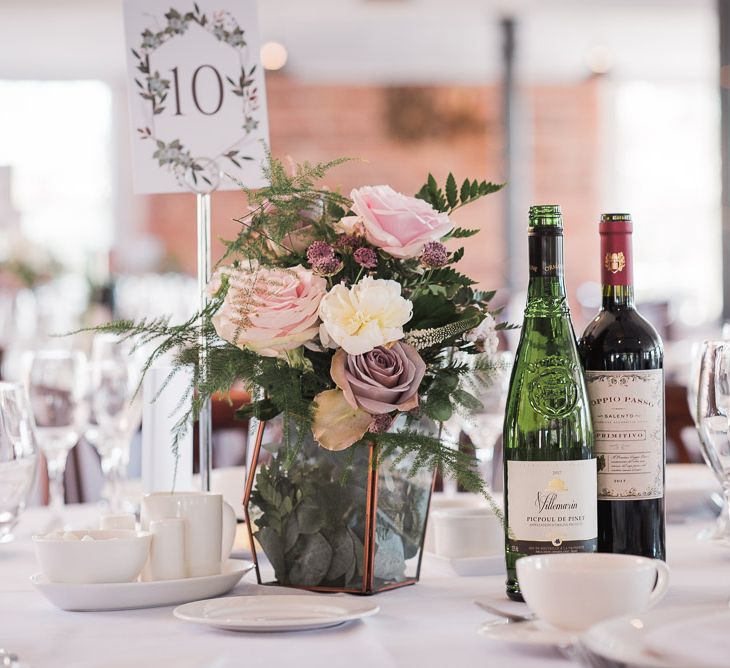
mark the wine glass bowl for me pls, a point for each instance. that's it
(484, 425)
(713, 413)
(18, 456)
(116, 408)
(57, 382)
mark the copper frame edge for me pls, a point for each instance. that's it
(247, 494)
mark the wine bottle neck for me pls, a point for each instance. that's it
(546, 264)
(616, 261)
(618, 297)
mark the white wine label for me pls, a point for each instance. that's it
(552, 506)
(627, 408)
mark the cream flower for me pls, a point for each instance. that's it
(371, 313)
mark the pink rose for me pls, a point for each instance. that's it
(268, 310)
(398, 224)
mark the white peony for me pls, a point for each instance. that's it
(371, 313)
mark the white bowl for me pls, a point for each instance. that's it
(467, 532)
(113, 556)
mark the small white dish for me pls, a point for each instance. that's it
(93, 557)
(276, 613)
(470, 566)
(133, 595)
(534, 632)
(624, 639)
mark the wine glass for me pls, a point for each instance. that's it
(484, 426)
(721, 528)
(18, 455)
(116, 408)
(57, 381)
(712, 414)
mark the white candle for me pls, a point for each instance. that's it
(161, 411)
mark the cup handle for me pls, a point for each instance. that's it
(662, 583)
(228, 534)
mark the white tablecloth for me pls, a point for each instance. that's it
(433, 623)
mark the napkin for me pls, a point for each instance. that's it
(700, 642)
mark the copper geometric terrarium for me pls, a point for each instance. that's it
(333, 521)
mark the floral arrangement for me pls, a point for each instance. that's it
(341, 314)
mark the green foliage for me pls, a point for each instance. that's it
(280, 210)
(451, 198)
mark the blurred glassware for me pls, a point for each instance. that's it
(489, 385)
(57, 385)
(18, 455)
(116, 408)
(712, 415)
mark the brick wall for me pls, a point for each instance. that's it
(401, 134)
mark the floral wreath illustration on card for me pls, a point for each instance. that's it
(152, 87)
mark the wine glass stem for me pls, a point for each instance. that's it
(56, 470)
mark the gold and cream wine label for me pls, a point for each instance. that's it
(627, 408)
(552, 506)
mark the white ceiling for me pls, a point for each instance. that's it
(395, 41)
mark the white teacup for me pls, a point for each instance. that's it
(575, 591)
(467, 532)
(210, 526)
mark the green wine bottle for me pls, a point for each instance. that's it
(550, 476)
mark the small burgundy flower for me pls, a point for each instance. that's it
(348, 242)
(319, 251)
(434, 255)
(328, 266)
(366, 257)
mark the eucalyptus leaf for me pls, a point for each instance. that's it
(390, 563)
(343, 555)
(309, 560)
(273, 547)
(310, 516)
(291, 533)
(359, 552)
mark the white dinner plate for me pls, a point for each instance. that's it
(274, 612)
(688, 488)
(624, 639)
(534, 632)
(467, 566)
(131, 595)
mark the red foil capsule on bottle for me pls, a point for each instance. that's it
(616, 259)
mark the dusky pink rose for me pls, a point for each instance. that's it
(382, 380)
(268, 310)
(398, 224)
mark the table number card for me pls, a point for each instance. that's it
(196, 92)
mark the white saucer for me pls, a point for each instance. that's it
(467, 566)
(271, 613)
(131, 595)
(534, 632)
(625, 639)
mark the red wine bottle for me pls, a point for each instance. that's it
(622, 355)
